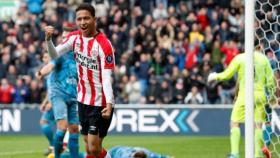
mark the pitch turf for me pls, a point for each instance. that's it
(178, 146)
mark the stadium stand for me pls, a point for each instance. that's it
(164, 48)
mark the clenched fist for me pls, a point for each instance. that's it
(106, 112)
(49, 31)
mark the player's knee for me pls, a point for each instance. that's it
(62, 125)
(73, 128)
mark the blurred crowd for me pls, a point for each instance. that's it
(164, 49)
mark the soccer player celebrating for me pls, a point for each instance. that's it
(62, 95)
(95, 63)
(263, 79)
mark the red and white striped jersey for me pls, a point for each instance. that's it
(95, 61)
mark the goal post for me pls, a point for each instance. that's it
(249, 78)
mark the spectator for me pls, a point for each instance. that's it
(4, 64)
(49, 7)
(142, 71)
(178, 53)
(22, 65)
(165, 95)
(216, 57)
(12, 74)
(160, 12)
(35, 93)
(123, 95)
(183, 10)
(72, 5)
(230, 50)
(193, 97)
(202, 18)
(154, 90)
(157, 64)
(179, 92)
(101, 7)
(21, 92)
(166, 39)
(224, 33)
(133, 90)
(6, 92)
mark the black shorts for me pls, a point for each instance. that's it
(92, 121)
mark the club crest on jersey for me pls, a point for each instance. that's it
(109, 59)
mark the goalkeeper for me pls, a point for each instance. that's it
(263, 79)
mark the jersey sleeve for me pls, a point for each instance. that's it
(107, 59)
(62, 48)
(230, 70)
(67, 45)
(107, 56)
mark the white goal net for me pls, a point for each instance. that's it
(267, 31)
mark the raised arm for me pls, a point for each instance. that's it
(55, 52)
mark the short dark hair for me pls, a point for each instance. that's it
(88, 7)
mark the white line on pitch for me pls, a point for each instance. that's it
(18, 153)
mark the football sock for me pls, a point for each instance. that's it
(66, 139)
(234, 140)
(73, 145)
(46, 129)
(267, 134)
(258, 143)
(58, 142)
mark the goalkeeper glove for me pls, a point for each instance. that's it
(212, 77)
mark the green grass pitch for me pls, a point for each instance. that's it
(178, 146)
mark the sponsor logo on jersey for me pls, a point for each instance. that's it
(87, 62)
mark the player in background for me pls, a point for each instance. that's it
(126, 152)
(47, 114)
(263, 80)
(134, 152)
(63, 95)
(95, 63)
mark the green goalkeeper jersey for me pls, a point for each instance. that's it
(263, 75)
